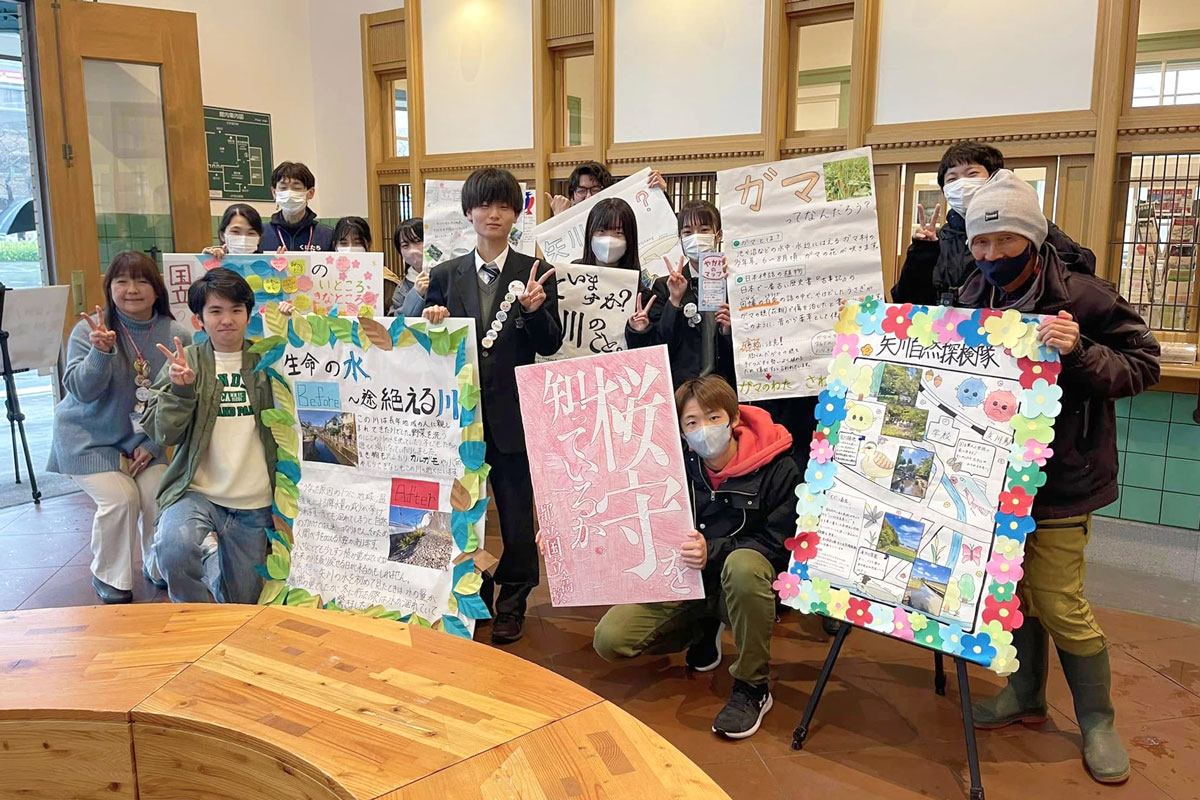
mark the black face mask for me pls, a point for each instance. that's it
(1004, 271)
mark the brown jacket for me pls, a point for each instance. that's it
(1117, 356)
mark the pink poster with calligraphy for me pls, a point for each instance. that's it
(608, 478)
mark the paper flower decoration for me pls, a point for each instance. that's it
(945, 327)
(803, 546)
(1003, 592)
(1009, 548)
(930, 636)
(842, 369)
(847, 319)
(922, 328)
(820, 450)
(810, 503)
(1036, 452)
(869, 304)
(830, 409)
(799, 569)
(901, 628)
(1027, 345)
(1030, 478)
(860, 611)
(1004, 330)
(869, 322)
(1038, 427)
(1042, 398)
(846, 345)
(952, 636)
(1004, 569)
(972, 331)
(917, 621)
(1007, 613)
(1016, 501)
(896, 321)
(978, 647)
(819, 477)
(1032, 371)
(787, 585)
(839, 603)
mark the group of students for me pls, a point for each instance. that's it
(996, 250)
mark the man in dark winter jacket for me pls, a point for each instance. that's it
(742, 483)
(939, 262)
(294, 226)
(1106, 352)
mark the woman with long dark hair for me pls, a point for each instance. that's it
(112, 360)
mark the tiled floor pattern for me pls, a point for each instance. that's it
(880, 732)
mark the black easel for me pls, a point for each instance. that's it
(12, 405)
(939, 684)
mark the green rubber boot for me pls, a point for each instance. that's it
(1024, 698)
(1091, 686)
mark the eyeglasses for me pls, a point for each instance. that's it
(587, 191)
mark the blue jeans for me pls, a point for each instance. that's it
(228, 575)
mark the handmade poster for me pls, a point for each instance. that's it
(560, 238)
(380, 480)
(800, 235)
(932, 433)
(712, 281)
(448, 232)
(595, 303)
(33, 320)
(609, 482)
(315, 281)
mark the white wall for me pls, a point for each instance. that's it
(950, 59)
(478, 73)
(314, 94)
(718, 44)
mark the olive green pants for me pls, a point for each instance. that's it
(744, 601)
(1052, 587)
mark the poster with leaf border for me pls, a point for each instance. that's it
(380, 493)
(932, 433)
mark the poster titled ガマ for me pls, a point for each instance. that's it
(802, 235)
(609, 480)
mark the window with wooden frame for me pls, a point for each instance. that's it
(574, 96)
(820, 43)
(1167, 54)
(393, 115)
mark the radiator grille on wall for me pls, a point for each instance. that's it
(396, 206)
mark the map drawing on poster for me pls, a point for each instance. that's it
(317, 282)
(448, 232)
(932, 433)
(609, 483)
(801, 235)
(560, 238)
(595, 303)
(380, 481)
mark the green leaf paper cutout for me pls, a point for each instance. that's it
(469, 584)
(320, 330)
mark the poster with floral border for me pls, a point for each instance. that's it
(315, 282)
(932, 433)
(380, 479)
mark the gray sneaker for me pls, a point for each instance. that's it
(742, 715)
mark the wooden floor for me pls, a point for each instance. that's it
(246, 702)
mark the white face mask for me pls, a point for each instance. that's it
(608, 249)
(241, 245)
(696, 243)
(350, 248)
(291, 201)
(959, 193)
(710, 441)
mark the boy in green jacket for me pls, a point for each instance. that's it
(207, 403)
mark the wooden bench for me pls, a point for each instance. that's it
(203, 701)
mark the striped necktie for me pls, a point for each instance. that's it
(490, 272)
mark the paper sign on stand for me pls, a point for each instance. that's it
(801, 236)
(561, 238)
(609, 481)
(33, 319)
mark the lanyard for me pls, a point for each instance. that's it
(311, 230)
(137, 350)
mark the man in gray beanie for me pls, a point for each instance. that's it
(1106, 352)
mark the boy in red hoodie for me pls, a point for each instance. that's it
(742, 482)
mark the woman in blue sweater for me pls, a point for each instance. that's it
(111, 362)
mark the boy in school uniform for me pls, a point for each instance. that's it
(742, 483)
(515, 307)
(219, 486)
(294, 226)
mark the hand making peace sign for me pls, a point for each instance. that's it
(927, 231)
(640, 320)
(534, 295)
(101, 337)
(677, 284)
(179, 371)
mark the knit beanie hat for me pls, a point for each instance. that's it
(1006, 204)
